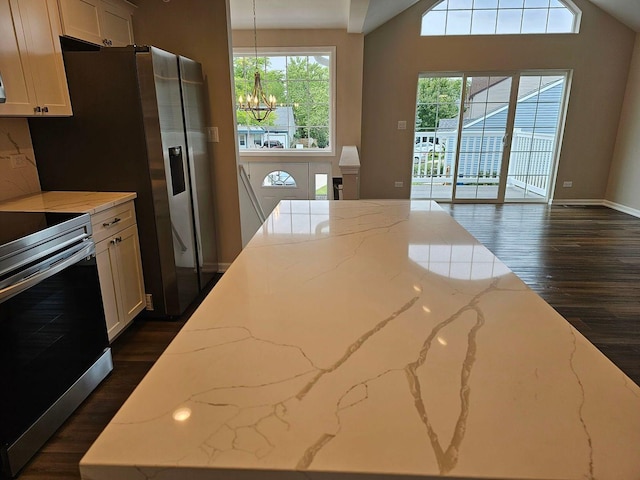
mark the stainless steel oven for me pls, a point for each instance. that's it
(53, 339)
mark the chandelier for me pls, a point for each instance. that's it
(257, 103)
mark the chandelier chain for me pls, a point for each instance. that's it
(255, 33)
(257, 102)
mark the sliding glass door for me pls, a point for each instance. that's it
(435, 142)
(487, 138)
(535, 136)
(484, 129)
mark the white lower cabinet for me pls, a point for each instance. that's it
(120, 273)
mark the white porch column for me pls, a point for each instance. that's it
(350, 169)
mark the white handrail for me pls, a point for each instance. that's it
(252, 194)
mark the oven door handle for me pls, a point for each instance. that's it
(87, 250)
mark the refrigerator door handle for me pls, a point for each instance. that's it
(183, 246)
(3, 97)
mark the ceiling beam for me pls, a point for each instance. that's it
(357, 15)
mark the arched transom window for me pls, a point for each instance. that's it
(499, 17)
(279, 178)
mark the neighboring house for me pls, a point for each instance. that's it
(481, 143)
(284, 127)
(282, 130)
(535, 123)
(486, 94)
(250, 136)
(483, 92)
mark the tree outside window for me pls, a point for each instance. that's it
(302, 86)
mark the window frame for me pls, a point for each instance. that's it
(569, 5)
(294, 51)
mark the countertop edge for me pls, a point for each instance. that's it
(67, 202)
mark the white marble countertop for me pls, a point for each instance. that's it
(67, 202)
(373, 337)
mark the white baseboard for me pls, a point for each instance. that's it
(223, 267)
(577, 202)
(605, 203)
(622, 208)
(215, 267)
(210, 267)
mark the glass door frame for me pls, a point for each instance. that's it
(507, 140)
(559, 130)
(506, 143)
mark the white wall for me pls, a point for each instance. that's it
(349, 57)
(395, 54)
(624, 180)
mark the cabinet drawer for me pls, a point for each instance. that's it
(113, 220)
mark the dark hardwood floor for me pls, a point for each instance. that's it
(584, 261)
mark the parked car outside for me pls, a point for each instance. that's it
(272, 144)
(428, 147)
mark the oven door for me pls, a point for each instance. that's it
(52, 331)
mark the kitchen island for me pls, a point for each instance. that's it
(375, 338)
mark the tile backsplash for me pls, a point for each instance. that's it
(18, 171)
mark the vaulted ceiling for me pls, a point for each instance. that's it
(363, 16)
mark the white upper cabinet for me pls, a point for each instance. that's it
(31, 63)
(106, 23)
(117, 25)
(14, 68)
(81, 19)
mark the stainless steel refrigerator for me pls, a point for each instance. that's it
(138, 125)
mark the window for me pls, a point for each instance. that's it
(321, 186)
(279, 178)
(476, 139)
(498, 17)
(302, 82)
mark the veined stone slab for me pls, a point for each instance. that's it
(375, 338)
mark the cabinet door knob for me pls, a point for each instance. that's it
(116, 240)
(105, 42)
(37, 109)
(45, 109)
(110, 43)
